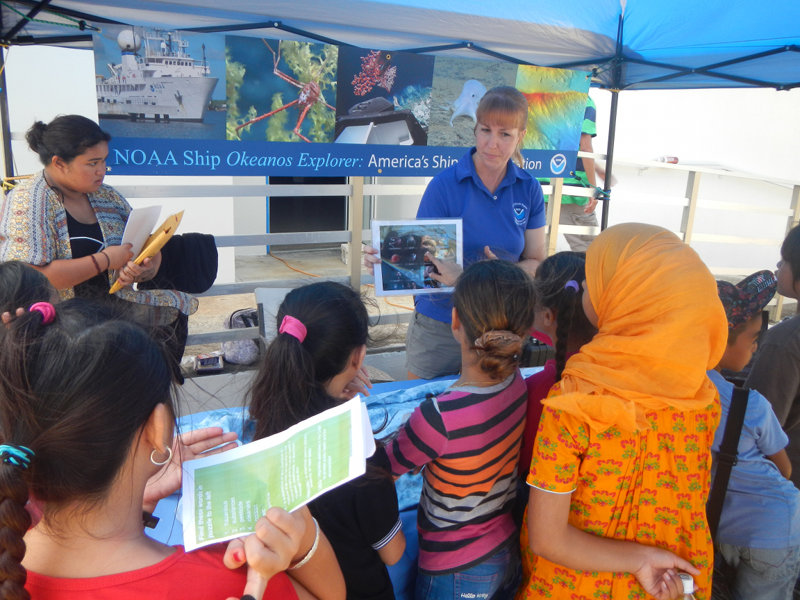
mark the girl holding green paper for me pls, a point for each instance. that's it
(86, 421)
(313, 364)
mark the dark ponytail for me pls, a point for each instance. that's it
(494, 302)
(290, 385)
(76, 387)
(558, 288)
(21, 285)
(66, 136)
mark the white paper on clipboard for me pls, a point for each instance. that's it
(141, 222)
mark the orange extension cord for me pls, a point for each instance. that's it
(313, 275)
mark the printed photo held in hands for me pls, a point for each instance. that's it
(405, 251)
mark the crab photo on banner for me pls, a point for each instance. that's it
(280, 90)
(383, 97)
(159, 83)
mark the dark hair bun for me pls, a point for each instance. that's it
(35, 136)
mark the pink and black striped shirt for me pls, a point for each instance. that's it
(469, 441)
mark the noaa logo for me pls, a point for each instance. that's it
(557, 164)
(520, 213)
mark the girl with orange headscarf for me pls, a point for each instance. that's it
(620, 471)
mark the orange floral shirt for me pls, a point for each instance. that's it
(648, 487)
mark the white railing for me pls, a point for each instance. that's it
(676, 200)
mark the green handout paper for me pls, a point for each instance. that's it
(225, 494)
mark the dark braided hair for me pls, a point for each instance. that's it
(290, 385)
(494, 302)
(76, 392)
(14, 522)
(573, 329)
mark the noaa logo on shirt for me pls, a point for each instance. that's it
(520, 213)
(557, 164)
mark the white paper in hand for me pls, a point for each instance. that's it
(141, 222)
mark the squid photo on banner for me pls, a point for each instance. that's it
(179, 103)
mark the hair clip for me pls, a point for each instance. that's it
(47, 310)
(18, 456)
(294, 327)
(572, 285)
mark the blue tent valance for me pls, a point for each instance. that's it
(633, 44)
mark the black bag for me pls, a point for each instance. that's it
(188, 263)
(725, 574)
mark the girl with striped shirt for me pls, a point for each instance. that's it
(469, 439)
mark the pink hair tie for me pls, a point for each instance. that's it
(48, 311)
(293, 327)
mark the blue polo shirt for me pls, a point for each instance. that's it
(496, 220)
(761, 507)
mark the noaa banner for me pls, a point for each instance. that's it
(190, 104)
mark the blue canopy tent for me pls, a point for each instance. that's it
(626, 44)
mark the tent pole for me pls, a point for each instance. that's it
(616, 85)
(612, 131)
(5, 124)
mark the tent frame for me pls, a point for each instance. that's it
(11, 36)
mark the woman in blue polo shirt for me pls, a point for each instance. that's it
(503, 215)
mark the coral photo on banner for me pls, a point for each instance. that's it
(179, 103)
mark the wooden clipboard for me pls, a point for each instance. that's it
(154, 243)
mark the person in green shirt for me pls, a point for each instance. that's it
(579, 210)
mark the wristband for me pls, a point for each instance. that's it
(96, 266)
(309, 555)
(108, 259)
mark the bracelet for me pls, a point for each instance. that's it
(108, 259)
(310, 554)
(96, 266)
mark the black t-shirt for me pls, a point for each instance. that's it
(85, 240)
(357, 518)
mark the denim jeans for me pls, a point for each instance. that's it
(495, 578)
(763, 573)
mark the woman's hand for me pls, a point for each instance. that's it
(371, 258)
(118, 256)
(359, 385)
(186, 446)
(270, 550)
(658, 573)
(133, 273)
(448, 270)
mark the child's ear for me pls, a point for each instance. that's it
(158, 429)
(455, 324)
(548, 317)
(357, 357)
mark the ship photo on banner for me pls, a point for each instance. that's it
(178, 103)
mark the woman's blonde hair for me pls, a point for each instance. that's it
(505, 106)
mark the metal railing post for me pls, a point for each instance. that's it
(687, 221)
(356, 226)
(554, 214)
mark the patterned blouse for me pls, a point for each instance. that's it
(33, 229)
(649, 487)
